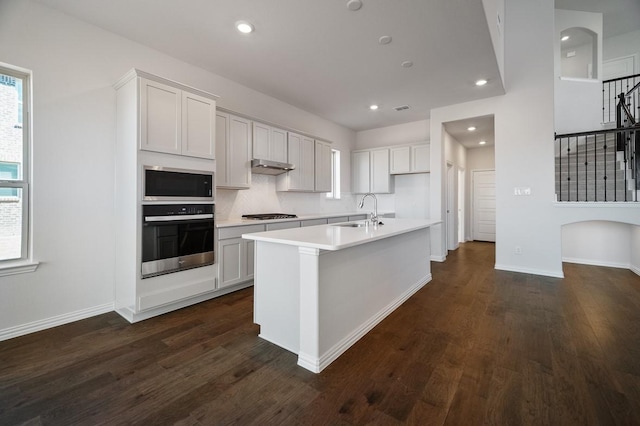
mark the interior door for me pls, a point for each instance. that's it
(484, 205)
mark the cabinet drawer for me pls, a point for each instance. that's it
(237, 231)
(357, 217)
(314, 222)
(338, 219)
(283, 225)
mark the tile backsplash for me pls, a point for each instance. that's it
(263, 198)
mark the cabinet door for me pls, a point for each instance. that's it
(261, 141)
(249, 248)
(400, 160)
(278, 145)
(294, 156)
(420, 158)
(239, 153)
(231, 263)
(222, 138)
(360, 176)
(323, 167)
(198, 126)
(160, 117)
(307, 163)
(380, 179)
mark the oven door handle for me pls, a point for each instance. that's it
(177, 218)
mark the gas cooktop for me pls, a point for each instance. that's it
(267, 216)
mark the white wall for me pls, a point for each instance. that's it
(635, 249)
(74, 67)
(416, 131)
(597, 243)
(523, 144)
(494, 13)
(623, 45)
(477, 159)
(578, 103)
(455, 155)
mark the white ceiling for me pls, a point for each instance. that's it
(471, 139)
(317, 54)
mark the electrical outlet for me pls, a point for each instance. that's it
(517, 250)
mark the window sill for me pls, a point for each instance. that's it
(19, 267)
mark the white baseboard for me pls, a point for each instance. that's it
(32, 327)
(316, 365)
(553, 274)
(593, 262)
(635, 269)
(435, 258)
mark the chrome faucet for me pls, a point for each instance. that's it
(374, 214)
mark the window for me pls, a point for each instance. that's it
(15, 85)
(335, 175)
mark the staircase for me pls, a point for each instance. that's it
(589, 168)
(603, 165)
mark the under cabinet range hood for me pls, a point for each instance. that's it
(267, 167)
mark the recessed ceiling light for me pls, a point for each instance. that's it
(481, 82)
(471, 129)
(354, 5)
(407, 64)
(373, 107)
(384, 40)
(483, 142)
(564, 38)
(244, 27)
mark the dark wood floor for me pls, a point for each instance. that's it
(475, 346)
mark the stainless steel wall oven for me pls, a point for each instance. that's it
(176, 237)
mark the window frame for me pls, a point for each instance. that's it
(25, 263)
(335, 175)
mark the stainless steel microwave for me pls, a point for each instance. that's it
(169, 184)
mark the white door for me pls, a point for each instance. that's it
(614, 68)
(484, 205)
(452, 216)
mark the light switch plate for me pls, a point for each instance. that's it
(522, 190)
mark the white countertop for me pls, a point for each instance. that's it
(244, 222)
(332, 237)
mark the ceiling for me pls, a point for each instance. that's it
(484, 131)
(317, 54)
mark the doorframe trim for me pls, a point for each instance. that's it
(472, 196)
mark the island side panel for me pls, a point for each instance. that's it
(361, 285)
(277, 294)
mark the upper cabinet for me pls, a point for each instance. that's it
(269, 143)
(370, 171)
(175, 120)
(301, 153)
(233, 151)
(323, 167)
(409, 159)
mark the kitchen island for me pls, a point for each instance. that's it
(318, 290)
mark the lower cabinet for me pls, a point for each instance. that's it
(235, 261)
(235, 255)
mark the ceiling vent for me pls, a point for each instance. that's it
(401, 108)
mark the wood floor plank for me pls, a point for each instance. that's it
(474, 346)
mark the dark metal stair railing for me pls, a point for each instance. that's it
(630, 144)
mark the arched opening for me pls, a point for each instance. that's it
(579, 53)
(602, 243)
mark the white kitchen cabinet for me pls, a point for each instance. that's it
(235, 255)
(338, 219)
(166, 124)
(409, 159)
(322, 166)
(301, 153)
(176, 121)
(233, 151)
(370, 171)
(283, 225)
(269, 143)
